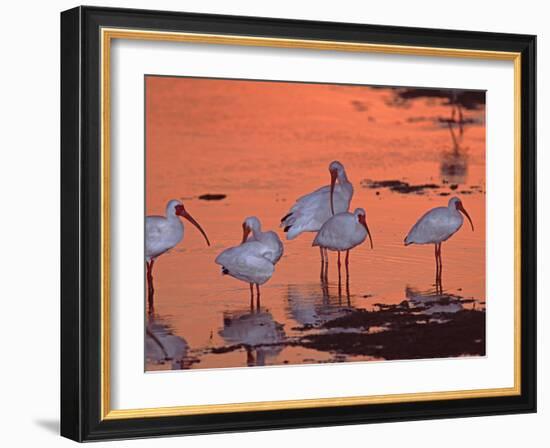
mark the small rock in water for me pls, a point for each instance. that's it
(212, 197)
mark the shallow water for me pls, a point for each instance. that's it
(263, 145)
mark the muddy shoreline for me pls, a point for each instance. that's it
(423, 327)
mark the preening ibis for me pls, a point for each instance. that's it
(253, 261)
(311, 211)
(269, 239)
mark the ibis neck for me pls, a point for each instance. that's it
(342, 178)
(257, 232)
(171, 215)
(256, 228)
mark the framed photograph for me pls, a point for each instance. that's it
(276, 224)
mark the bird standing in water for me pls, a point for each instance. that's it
(253, 261)
(311, 211)
(162, 233)
(343, 231)
(436, 226)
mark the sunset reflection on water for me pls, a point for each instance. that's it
(263, 145)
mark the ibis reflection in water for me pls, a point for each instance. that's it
(256, 331)
(162, 346)
(454, 163)
(433, 302)
(312, 305)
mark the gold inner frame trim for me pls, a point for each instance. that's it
(107, 35)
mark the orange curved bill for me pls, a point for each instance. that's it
(246, 232)
(363, 221)
(463, 210)
(187, 216)
(333, 175)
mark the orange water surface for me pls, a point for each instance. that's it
(264, 144)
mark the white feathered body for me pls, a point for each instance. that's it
(435, 226)
(249, 262)
(161, 234)
(311, 211)
(341, 232)
(272, 242)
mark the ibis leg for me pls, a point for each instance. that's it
(347, 277)
(440, 270)
(325, 250)
(437, 272)
(322, 263)
(339, 276)
(257, 297)
(437, 268)
(324, 273)
(150, 287)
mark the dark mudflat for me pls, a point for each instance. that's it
(399, 186)
(406, 333)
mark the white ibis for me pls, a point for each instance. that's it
(311, 211)
(269, 239)
(251, 262)
(344, 231)
(162, 233)
(436, 226)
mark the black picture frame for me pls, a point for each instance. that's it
(81, 227)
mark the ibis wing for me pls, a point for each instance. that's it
(311, 211)
(431, 227)
(249, 262)
(329, 234)
(276, 246)
(312, 197)
(154, 235)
